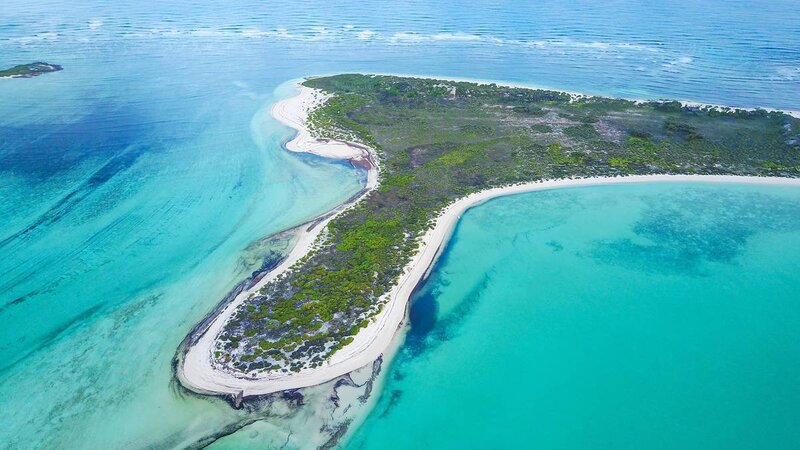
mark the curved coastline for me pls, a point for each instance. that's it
(575, 95)
(196, 370)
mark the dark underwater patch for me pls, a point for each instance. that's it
(684, 231)
(427, 329)
(555, 245)
(422, 316)
(37, 152)
(64, 205)
(54, 335)
(18, 301)
(110, 136)
(394, 398)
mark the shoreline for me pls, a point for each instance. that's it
(575, 95)
(293, 111)
(194, 369)
(380, 337)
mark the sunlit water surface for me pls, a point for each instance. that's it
(658, 316)
(134, 184)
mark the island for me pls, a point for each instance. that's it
(433, 149)
(29, 70)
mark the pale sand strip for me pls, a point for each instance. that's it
(293, 112)
(371, 342)
(577, 95)
(195, 370)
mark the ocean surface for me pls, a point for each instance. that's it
(657, 316)
(136, 186)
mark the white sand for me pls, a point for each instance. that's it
(293, 113)
(197, 372)
(578, 95)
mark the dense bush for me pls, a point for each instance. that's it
(440, 140)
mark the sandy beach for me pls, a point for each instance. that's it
(196, 371)
(578, 95)
(293, 111)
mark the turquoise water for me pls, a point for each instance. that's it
(136, 184)
(655, 316)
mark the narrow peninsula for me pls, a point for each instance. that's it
(29, 70)
(434, 148)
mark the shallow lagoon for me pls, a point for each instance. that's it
(636, 316)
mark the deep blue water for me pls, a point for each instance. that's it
(133, 182)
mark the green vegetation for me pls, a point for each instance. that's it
(440, 140)
(29, 70)
(541, 128)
